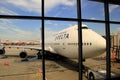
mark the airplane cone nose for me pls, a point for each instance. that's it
(101, 48)
(103, 45)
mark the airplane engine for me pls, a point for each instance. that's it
(23, 54)
(2, 51)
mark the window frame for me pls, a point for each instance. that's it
(107, 23)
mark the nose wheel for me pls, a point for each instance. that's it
(39, 54)
(91, 76)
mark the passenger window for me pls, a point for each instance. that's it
(90, 43)
(84, 43)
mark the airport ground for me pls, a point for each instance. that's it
(11, 68)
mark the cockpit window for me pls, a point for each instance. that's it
(84, 27)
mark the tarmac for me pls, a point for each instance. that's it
(12, 68)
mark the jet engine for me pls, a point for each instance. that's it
(2, 51)
(23, 54)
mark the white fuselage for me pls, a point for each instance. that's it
(65, 43)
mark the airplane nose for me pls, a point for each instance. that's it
(101, 45)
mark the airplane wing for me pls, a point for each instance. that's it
(22, 51)
(24, 47)
(38, 48)
(28, 47)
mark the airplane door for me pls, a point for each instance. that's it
(64, 46)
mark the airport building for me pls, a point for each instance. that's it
(115, 40)
(115, 46)
(112, 41)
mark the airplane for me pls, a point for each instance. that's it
(65, 43)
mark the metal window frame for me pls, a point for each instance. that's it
(79, 20)
(108, 43)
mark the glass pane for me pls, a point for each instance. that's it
(97, 27)
(115, 49)
(61, 58)
(114, 11)
(21, 41)
(20, 7)
(92, 10)
(19, 29)
(94, 49)
(61, 8)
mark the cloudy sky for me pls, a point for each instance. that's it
(30, 29)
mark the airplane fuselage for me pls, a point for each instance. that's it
(65, 43)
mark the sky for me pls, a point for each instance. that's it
(14, 29)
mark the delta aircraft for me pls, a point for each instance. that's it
(65, 43)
